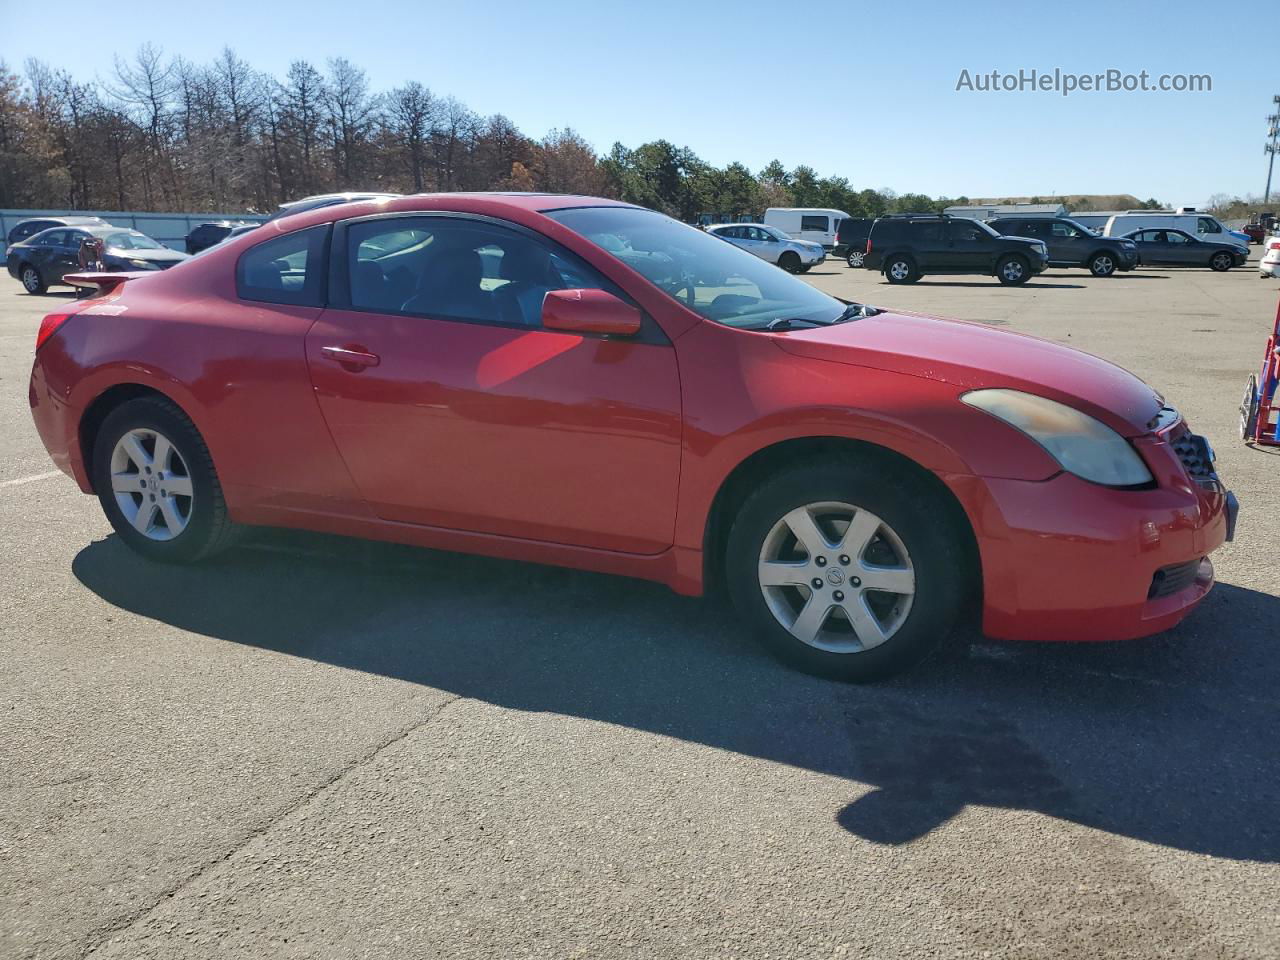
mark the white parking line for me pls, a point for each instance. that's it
(33, 479)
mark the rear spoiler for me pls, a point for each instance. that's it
(103, 284)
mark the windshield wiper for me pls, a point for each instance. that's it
(787, 323)
(856, 311)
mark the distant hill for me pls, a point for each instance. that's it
(1080, 202)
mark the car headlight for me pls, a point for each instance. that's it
(1082, 445)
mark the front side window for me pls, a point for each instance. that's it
(458, 269)
(1176, 237)
(1206, 225)
(716, 280)
(810, 221)
(1064, 230)
(287, 269)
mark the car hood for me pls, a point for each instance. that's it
(152, 256)
(972, 356)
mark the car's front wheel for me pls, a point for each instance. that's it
(845, 570)
(156, 482)
(1013, 271)
(1102, 265)
(790, 262)
(32, 282)
(1221, 262)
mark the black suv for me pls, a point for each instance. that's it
(208, 234)
(1072, 244)
(851, 239)
(909, 246)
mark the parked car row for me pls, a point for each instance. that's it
(909, 246)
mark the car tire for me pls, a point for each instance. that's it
(1102, 265)
(804, 269)
(1013, 271)
(894, 515)
(31, 280)
(1221, 262)
(901, 269)
(153, 440)
(855, 258)
(789, 261)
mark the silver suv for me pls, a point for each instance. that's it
(770, 243)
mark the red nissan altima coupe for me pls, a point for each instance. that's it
(582, 382)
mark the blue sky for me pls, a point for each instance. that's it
(862, 90)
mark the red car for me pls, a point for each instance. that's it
(582, 382)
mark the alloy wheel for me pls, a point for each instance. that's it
(855, 259)
(899, 270)
(836, 577)
(1103, 267)
(31, 280)
(151, 484)
(1012, 271)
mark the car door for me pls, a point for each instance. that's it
(1182, 249)
(454, 408)
(54, 260)
(969, 247)
(1066, 243)
(764, 244)
(1153, 247)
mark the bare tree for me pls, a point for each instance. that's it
(411, 120)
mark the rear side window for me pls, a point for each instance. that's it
(927, 232)
(812, 222)
(288, 269)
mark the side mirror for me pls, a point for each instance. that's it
(589, 311)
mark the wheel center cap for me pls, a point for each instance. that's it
(153, 484)
(835, 577)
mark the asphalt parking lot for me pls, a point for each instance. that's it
(324, 748)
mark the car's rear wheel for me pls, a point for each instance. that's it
(1249, 409)
(855, 258)
(844, 571)
(1013, 271)
(1221, 262)
(32, 282)
(901, 269)
(156, 482)
(1102, 265)
(790, 262)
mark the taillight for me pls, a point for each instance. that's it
(50, 324)
(1275, 245)
(868, 243)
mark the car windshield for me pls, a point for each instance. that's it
(130, 240)
(714, 279)
(776, 233)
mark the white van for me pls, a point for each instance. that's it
(1202, 225)
(806, 223)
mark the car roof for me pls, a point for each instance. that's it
(762, 226)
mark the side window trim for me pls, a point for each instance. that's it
(339, 273)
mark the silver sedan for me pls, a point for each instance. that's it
(770, 243)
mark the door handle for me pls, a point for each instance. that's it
(352, 357)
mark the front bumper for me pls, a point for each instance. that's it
(1067, 560)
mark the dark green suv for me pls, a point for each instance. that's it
(907, 247)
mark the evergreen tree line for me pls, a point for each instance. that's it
(163, 133)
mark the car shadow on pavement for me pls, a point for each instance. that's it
(1169, 741)
(994, 284)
